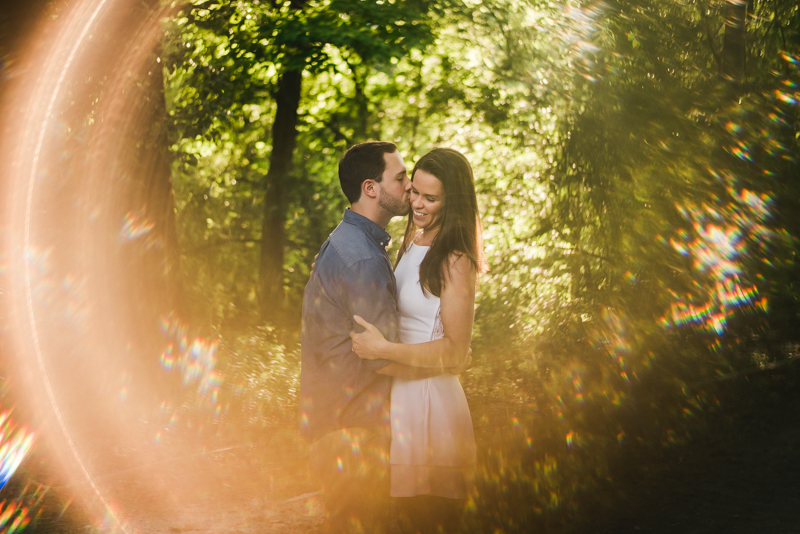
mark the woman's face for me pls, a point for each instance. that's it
(427, 200)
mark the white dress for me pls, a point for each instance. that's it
(433, 445)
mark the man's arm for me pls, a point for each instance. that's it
(457, 314)
(371, 292)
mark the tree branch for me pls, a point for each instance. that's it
(338, 135)
(219, 243)
(362, 103)
(584, 252)
(709, 37)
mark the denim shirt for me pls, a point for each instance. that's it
(352, 276)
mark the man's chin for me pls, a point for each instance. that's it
(402, 212)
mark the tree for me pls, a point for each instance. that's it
(630, 204)
(267, 50)
(733, 45)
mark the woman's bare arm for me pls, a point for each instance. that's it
(399, 370)
(457, 313)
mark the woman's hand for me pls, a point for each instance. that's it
(369, 344)
(466, 364)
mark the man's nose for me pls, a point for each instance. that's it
(407, 185)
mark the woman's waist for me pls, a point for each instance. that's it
(412, 331)
(444, 380)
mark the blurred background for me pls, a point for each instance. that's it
(169, 171)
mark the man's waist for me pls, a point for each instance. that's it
(325, 413)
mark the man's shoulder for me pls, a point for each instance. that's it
(353, 245)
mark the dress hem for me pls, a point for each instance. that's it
(452, 482)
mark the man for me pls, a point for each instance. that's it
(344, 400)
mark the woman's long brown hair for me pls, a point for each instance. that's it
(460, 230)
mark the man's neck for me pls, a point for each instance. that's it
(374, 213)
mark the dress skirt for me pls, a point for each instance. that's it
(433, 445)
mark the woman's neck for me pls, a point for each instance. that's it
(425, 237)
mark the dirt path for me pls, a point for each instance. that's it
(178, 487)
(742, 475)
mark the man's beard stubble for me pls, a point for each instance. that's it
(393, 205)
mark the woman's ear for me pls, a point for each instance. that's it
(369, 188)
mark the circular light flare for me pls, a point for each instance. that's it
(84, 27)
(24, 154)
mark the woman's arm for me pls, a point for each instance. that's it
(399, 370)
(457, 313)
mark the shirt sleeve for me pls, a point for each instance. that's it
(371, 295)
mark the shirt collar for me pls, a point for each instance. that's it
(378, 234)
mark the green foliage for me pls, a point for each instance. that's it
(224, 60)
(638, 207)
(654, 244)
(246, 380)
(260, 377)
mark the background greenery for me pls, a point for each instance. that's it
(638, 183)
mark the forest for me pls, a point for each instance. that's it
(637, 170)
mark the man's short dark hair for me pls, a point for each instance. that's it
(362, 162)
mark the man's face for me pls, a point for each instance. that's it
(395, 187)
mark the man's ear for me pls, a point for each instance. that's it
(369, 188)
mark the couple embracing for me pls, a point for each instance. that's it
(382, 346)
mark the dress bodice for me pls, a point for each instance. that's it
(419, 313)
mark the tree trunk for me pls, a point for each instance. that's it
(733, 44)
(153, 173)
(361, 105)
(129, 175)
(284, 138)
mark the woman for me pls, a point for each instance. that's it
(433, 446)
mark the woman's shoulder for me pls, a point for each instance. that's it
(458, 263)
